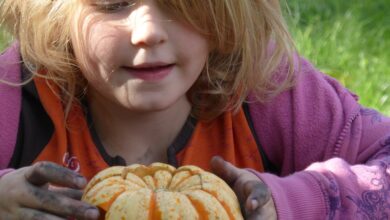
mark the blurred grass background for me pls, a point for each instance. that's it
(5, 40)
(349, 40)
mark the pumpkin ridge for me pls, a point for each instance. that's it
(224, 205)
(105, 206)
(154, 212)
(103, 175)
(134, 182)
(203, 214)
(150, 183)
(155, 183)
(127, 180)
(96, 182)
(192, 174)
(86, 195)
(137, 172)
(188, 169)
(178, 183)
(90, 195)
(142, 171)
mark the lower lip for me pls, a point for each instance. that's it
(151, 74)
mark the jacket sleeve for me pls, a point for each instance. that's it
(5, 171)
(333, 155)
(10, 102)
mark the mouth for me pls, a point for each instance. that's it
(149, 67)
(150, 72)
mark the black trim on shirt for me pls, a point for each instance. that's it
(111, 161)
(179, 143)
(181, 140)
(268, 165)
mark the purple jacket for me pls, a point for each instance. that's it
(334, 155)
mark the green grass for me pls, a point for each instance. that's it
(4, 40)
(349, 40)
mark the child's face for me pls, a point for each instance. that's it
(138, 56)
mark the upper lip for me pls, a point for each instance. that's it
(150, 65)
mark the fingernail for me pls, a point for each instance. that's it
(81, 182)
(92, 213)
(254, 204)
(219, 159)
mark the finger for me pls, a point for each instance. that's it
(225, 170)
(58, 204)
(68, 192)
(267, 211)
(31, 214)
(48, 172)
(257, 195)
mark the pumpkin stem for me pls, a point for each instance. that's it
(125, 171)
(201, 181)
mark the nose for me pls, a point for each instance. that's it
(148, 30)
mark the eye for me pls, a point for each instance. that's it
(111, 6)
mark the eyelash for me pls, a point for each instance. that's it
(107, 7)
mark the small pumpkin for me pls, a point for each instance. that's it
(160, 191)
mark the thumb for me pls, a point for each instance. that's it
(225, 170)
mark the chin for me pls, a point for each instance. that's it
(151, 106)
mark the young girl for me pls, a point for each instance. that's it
(95, 83)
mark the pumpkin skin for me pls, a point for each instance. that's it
(160, 191)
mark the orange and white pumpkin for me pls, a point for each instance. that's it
(160, 191)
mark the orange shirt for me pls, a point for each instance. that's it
(72, 144)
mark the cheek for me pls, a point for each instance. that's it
(96, 44)
(100, 44)
(193, 46)
(196, 54)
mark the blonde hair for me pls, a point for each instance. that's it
(42, 28)
(249, 41)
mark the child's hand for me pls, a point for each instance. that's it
(26, 194)
(255, 198)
